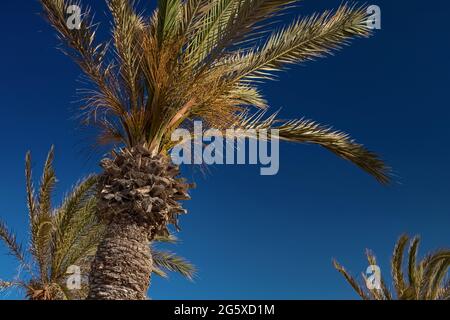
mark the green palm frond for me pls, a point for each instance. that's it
(77, 230)
(169, 13)
(165, 260)
(304, 40)
(206, 36)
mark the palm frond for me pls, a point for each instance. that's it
(397, 265)
(210, 26)
(310, 132)
(354, 284)
(306, 39)
(127, 33)
(169, 12)
(41, 235)
(31, 201)
(74, 225)
(426, 280)
(171, 262)
(10, 240)
(167, 239)
(414, 275)
(385, 293)
(435, 268)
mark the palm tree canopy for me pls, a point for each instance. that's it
(59, 237)
(65, 236)
(425, 280)
(203, 59)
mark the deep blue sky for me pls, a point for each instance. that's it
(268, 237)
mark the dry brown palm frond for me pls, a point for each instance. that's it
(31, 201)
(435, 268)
(41, 237)
(414, 273)
(310, 132)
(358, 289)
(397, 265)
(10, 240)
(426, 279)
(385, 294)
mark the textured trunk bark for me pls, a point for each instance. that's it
(122, 267)
(139, 196)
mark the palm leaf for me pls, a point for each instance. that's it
(310, 132)
(397, 265)
(306, 39)
(10, 240)
(354, 284)
(171, 262)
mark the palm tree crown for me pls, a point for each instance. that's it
(425, 280)
(203, 59)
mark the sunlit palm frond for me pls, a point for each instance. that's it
(72, 221)
(167, 239)
(384, 293)
(208, 32)
(169, 14)
(435, 269)
(244, 23)
(358, 289)
(397, 265)
(31, 200)
(307, 131)
(165, 260)
(306, 39)
(42, 235)
(427, 279)
(414, 273)
(127, 33)
(10, 240)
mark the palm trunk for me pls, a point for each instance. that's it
(138, 198)
(122, 268)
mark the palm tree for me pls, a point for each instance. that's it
(67, 236)
(426, 280)
(192, 59)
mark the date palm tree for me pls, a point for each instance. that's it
(67, 236)
(190, 60)
(425, 280)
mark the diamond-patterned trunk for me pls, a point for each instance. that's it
(139, 196)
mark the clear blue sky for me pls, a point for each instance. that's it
(267, 237)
